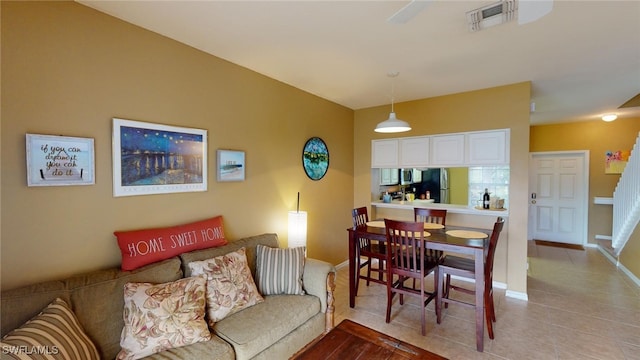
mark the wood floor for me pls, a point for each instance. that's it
(580, 307)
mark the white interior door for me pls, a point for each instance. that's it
(558, 197)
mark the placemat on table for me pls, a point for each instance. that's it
(467, 234)
(377, 223)
(380, 224)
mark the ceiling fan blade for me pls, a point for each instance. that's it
(407, 13)
(529, 11)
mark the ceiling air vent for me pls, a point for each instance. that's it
(490, 15)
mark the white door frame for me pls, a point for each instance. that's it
(584, 154)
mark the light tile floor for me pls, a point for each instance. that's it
(580, 307)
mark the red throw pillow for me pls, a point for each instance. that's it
(142, 247)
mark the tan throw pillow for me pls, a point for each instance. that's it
(55, 333)
(163, 316)
(279, 271)
(230, 286)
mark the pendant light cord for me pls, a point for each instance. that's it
(392, 75)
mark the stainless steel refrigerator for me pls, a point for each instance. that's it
(436, 181)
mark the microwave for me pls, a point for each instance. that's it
(410, 176)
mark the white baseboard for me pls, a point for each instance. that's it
(622, 268)
(342, 264)
(603, 237)
(517, 295)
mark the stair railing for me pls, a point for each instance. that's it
(626, 201)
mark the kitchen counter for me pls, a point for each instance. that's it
(451, 208)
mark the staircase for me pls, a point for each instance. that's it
(626, 201)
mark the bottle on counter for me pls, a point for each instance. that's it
(485, 199)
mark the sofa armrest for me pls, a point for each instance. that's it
(319, 280)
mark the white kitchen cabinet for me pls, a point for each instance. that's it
(389, 177)
(414, 152)
(488, 147)
(447, 150)
(384, 153)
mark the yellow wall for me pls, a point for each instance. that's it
(598, 137)
(495, 108)
(68, 70)
(631, 253)
(459, 186)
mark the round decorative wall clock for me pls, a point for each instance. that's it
(315, 158)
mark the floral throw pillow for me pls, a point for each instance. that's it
(230, 286)
(163, 316)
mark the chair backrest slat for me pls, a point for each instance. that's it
(437, 216)
(359, 216)
(405, 246)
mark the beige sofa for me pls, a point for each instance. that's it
(273, 329)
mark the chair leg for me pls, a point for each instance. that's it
(436, 289)
(447, 287)
(357, 274)
(423, 314)
(493, 309)
(389, 299)
(440, 289)
(368, 270)
(487, 311)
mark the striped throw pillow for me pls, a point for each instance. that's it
(55, 333)
(279, 271)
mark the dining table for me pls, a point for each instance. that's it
(470, 241)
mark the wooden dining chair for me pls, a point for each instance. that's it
(406, 259)
(464, 267)
(369, 250)
(435, 216)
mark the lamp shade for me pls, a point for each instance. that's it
(392, 125)
(297, 228)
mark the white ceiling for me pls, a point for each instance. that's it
(583, 58)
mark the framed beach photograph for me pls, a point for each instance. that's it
(231, 165)
(157, 159)
(59, 160)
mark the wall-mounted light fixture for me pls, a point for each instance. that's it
(609, 117)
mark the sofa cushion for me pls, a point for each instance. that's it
(163, 316)
(254, 329)
(230, 286)
(21, 304)
(248, 243)
(98, 300)
(279, 271)
(146, 246)
(214, 349)
(55, 332)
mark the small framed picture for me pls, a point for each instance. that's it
(231, 165)
(59, 160)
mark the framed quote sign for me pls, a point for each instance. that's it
(60, 160)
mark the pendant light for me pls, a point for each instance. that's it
(392, 124)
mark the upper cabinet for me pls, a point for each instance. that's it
(488, 147)
(384, 153)
(414, 152)
(446, 150)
